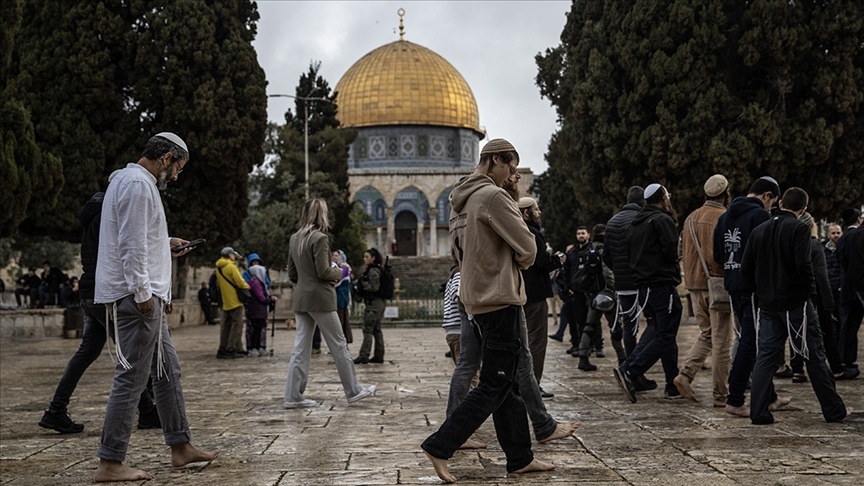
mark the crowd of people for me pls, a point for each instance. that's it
(50, 288)
(755, 273)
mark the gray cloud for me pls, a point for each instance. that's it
(492, 44)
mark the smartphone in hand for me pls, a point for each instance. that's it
(191, 244)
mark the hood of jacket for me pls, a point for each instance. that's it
(647, 213)
(465, 188)
(743, 204)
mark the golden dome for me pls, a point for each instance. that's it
(403, 83)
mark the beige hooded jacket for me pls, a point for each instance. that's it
(492, 244)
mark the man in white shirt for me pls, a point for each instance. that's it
(133, 280)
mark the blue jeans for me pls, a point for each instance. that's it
(529, 390)
(496, 395)
(88, 351)
(663, 307)
(772, 337)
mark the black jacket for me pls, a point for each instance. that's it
(615, 256)
(731, 235)
(652, 243)
(538, 285)
(850, 252)
(835, 271)
(821, 292)
(90, 217)
(777, 263)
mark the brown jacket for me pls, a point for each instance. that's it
(314, 278)
(703, 221)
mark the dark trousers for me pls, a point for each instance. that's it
(773, 333)
(662, 306)
(564, 316)
(496, 395)
(829, 339)
(90, 348)
(745, 356)
(628, 319)
(578, 317)
(853, 313)
(537, 322)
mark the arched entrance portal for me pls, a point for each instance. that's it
(406, 234)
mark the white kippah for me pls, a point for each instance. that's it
(173, 138)
(651, 189)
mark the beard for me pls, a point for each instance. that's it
(667, 206)
(162, 180)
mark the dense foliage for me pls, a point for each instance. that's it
(98, 78)
(281, 187)
(675, 91)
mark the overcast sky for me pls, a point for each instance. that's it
(491, 43)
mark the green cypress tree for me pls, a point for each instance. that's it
(672, 92)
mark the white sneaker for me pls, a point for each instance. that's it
(303, 404)
(262, 352)
(363, 394)
(253, 353)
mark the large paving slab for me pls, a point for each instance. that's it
(236, 405)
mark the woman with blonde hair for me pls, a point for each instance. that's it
(315, 280)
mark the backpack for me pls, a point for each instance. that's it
(589, 272)
(388, 281)
(213, 289)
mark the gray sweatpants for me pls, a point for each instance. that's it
(137, 339)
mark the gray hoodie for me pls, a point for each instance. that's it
(492, 244)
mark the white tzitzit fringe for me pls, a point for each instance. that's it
(160, 355)
(109, 318)
(798, 333)
(639, 307)
(619, 311)
(755, 319)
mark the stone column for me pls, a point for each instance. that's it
(378, 237)
(433, 231)
(419, 240)
(391, 231)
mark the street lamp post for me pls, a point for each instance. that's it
(305, 99)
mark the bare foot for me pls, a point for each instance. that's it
(682, 383)
(186, 453)
(472, 444)
(440, 466)
(109, 471)
(742, 411)
(535, 466)
(779, 403)
(561, 431)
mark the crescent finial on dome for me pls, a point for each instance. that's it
(401, 13)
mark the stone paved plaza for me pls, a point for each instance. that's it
(236, 405)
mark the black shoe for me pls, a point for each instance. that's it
(556, 338)
(573, 351)
(640, 384)
(228, 355)
(849, 374)
(61, 422)
(361, 360)
(149, 420)
(448, 354)
(585, 365)
(600, 354)
(376, 360)
(545, 394)
(799, 378)
(672, 393)
(785, 373)
(625, 383)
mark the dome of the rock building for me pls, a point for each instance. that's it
(403, 83)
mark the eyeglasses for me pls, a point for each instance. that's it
(512, 169)
(669, 195)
